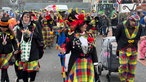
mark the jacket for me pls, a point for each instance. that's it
(34, 52)
(122, 39)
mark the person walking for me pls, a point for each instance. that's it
(8, 47)
(127, 36)
(28, 36)
(114, 22)
(83, 54)
(105, 25)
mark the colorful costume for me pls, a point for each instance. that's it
(45, 32)
(83, 55)
(127, 39)
(8, 45)
(28, 68)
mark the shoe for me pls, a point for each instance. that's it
(16, 80)
(30, 80)
(7, 80)
(2, 80)
(98, 81)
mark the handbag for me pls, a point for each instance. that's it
(25, 48)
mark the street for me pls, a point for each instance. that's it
(50, 70)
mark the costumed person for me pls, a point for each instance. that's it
(92, 28)
(71, 24)
(60, 44)
(8, 47)
(39, 29)
(83, 55)
(51, 20)
(50, 33)
(45, 30)
(105, 25)
(66, 31)
(127, 36)
(97, 23)
(69, 33)
(28, 37)
(114, 22)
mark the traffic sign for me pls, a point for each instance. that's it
(119, 1)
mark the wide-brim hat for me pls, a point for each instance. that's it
(4, 22)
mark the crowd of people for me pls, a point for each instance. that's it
(25, 36)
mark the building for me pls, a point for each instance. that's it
(0, 3)
(133, 1)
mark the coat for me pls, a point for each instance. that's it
(34, 52)
(76, 51)
(122, 40)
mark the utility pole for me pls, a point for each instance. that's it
(19, 5)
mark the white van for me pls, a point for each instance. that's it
(6, 9)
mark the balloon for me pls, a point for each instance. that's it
(12, 22)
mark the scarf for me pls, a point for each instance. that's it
(133, 35)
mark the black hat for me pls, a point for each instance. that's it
(4, 22)
(71, 16)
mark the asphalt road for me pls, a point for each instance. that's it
(50, 70)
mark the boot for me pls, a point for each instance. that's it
(16, 80)
(2, 80)
(3, 75)
(7, 78)
(32, 76)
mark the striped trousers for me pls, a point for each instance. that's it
(127, 66)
